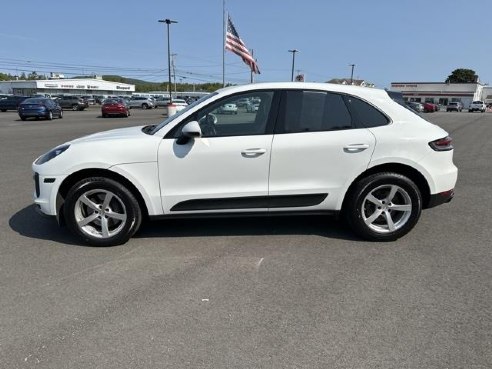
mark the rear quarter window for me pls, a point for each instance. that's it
(364, 114)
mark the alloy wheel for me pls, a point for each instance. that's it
(100, 213)
(386, 208)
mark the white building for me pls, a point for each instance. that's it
(440, 92)
(487, 95)
(81, 86)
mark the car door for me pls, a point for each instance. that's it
(317, 150)
(224, 170)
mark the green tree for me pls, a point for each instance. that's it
(462, 75)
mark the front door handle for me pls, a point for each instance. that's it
(252, 153)
(354, 148)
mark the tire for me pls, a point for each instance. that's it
(372, 217)
(96, 226)
(104, 115)
(60, 116)
(4, 110)
(23, 118)
(75, 107)
(50, 115)
(145, 106)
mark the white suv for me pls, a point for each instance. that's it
(477, 106)
(308, 149)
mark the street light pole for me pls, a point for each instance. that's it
(352, 74)
(168, 22)
(293, 51)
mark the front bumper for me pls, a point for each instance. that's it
(45, 193)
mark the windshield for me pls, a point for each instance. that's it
(181, 112)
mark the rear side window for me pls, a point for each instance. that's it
(313, 111)
(365, 114)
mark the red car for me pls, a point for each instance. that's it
(114, 107)
(430, 107)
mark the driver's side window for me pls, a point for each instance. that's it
(239, 115)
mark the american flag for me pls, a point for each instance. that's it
(236, 45)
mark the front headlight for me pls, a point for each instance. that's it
(52, 154)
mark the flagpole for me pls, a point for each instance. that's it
(251, 69)
(223, 41)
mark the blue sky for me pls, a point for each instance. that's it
(388, 40)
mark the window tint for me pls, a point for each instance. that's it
(235, 117)
(365, 114)
(313, 111)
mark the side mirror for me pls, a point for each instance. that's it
(190, 131)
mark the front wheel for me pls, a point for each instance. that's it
(60, 115)
(75, 107)
(102, 212)
(383, 206)
(50, 115)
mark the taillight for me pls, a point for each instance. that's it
(442, 144)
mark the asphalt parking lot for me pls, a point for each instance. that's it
(245, 293)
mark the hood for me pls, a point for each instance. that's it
(119, 133)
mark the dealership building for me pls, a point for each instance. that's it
(82, 86)
(443, 93)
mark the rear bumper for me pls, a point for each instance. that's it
(440, 198)
(33, 114)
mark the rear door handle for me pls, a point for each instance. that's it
(354, 148)
(251, 153)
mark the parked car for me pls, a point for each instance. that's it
(141, 102)
(454, 106)
(11, 102)
(39, 107)
(72, 102)
(227, 109)
(89, 100)
(366, 158)
(180, 104)
(477, 106)
(251, 108)
(418, 107)
(115, 107)
(161, 102)
(99, 99)
(429, 107)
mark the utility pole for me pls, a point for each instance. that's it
(293, 51)
(168, 22)
(173, 63)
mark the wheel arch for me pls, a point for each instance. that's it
(86, 173)
(403, 169)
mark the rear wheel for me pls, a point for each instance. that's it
(145, 106)
(383, 207)
(23, 117)
(75, 107)
(50, 115)
(102, 212)
(60, 115)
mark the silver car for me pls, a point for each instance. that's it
(141, 102)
